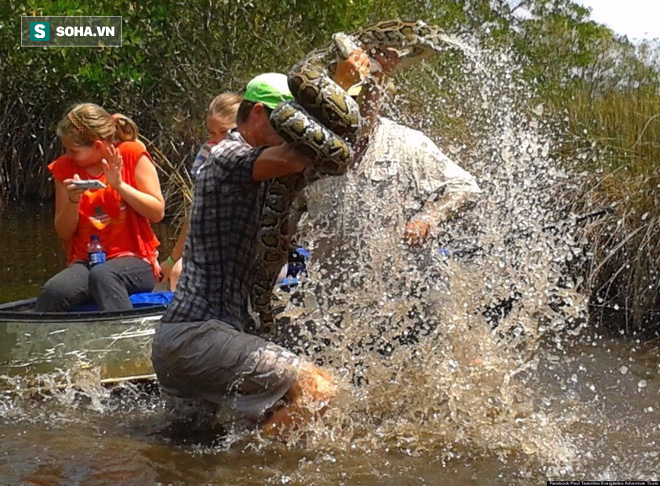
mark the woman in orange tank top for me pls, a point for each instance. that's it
(103, 147)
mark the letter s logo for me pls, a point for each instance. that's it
(40, 31)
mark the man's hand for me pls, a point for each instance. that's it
(358, 66)
(435, 213)
(417, 231)
(353, 69)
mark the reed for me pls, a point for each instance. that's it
(24, 145)
(175, 170)
(621, 131)
(172, 65)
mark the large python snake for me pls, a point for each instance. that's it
(323, 122)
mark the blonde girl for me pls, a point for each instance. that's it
(103, 147)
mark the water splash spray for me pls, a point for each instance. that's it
(437, 351)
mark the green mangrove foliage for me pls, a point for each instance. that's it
(178, 54)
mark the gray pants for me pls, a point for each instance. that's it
(108, 284)
(213, 363)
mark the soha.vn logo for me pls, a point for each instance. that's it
(40, 31)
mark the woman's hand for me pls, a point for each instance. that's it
(73, 192)
(166, 270)
(112, 166)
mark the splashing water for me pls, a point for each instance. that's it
(412, 327)
(446, 360)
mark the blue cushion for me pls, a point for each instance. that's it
(151, 298)
(289, 282)
(144, 299)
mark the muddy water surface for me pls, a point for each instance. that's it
(587, 410)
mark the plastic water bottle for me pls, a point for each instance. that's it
(95, 251)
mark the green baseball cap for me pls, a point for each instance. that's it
(269, 88)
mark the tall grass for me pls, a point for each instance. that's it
(24, 145)
(621, 131)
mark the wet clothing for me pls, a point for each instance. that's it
(362, 269)
(215, 362)
(127, 238)
(219, 256)
(121, 230)
(200, 350)
(108, 284)
(368, 208)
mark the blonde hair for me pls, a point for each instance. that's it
(225, 105)
(87, 122)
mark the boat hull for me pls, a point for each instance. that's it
(23, 311)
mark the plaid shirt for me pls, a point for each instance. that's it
(219, 259)
(201, 157)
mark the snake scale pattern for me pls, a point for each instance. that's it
(323, 122)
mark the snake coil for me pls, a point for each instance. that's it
(322, 123)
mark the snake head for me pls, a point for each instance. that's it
(398, 58)
(344, 44)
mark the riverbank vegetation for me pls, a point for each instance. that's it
(602, 89)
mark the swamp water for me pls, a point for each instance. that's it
(539, 396)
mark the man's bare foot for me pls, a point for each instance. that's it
(309, 395)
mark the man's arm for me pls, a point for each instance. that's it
(372, 96)
(278, 161)
(167, 265)
(447, 207)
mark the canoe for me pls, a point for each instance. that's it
(145, 305)
(115, 345)
(151, 304)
